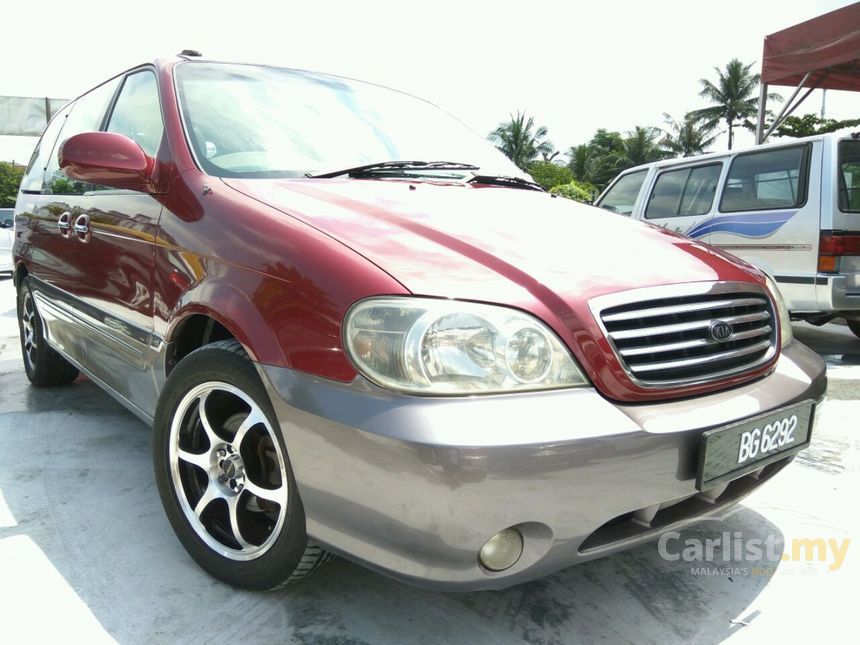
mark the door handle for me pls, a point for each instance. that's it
(82, 228)
(64, 223)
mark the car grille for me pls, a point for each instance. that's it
(676, 341)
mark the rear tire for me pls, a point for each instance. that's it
(854, 326)
(224, 476)
(44, 366)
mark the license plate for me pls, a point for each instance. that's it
(731, 451)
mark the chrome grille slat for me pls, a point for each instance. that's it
(710, 358)
(673, 309)
(690, 326)
(663, 339)
(690, 344)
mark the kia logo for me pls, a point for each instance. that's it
(721, 331)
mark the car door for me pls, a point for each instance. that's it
(27, 227)
(769, 215)
(682, 199)
(48, 245)
(115, 259)
(56, 197)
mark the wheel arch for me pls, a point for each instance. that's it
(193, 331)
(199, 323)
(19, 273)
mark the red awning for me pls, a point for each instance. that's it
(828, 46)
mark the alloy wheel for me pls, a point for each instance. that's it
(228, 471)
(28, 321)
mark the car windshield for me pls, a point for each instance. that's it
(249, 121)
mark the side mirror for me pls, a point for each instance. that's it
(7, 223)
(107, 159)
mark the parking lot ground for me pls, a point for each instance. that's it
(87, 555)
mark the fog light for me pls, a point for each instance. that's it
(502, 550)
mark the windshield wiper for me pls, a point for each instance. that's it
(506, 180)
(382, 166)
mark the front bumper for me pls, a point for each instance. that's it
(414, 486)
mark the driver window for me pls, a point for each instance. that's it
(137, 113)
(621, 197)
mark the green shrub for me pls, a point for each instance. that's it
(548, 174)
(10, 180)
(575, 190)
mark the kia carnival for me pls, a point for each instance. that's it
(356, 328)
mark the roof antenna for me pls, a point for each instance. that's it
(190, 52)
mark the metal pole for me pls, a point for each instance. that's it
(785, 108)
(762, 107)
(823, 102)
(785, 114)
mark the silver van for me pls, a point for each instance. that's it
(790, 208)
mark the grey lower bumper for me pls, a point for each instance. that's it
(414, 486)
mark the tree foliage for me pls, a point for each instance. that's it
(10, 180)
(599, 160)
(521, 141)
(608, 153)
(734, 97)
(810, 124)
(641, 145)
(549, 174)
(574, 190)
(688, 137)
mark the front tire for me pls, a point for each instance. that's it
(224, 476)
(44, 366)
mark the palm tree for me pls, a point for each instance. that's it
(521, 142)
(579, 157)
(642, 146)
(598, 161)
(689, 137)
(734, 96)
(608, 153)
(550, 154)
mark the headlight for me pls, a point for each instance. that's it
(785, 336)
(429, 346)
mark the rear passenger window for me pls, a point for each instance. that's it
(849, 176)
(137, 113)
(86, 116)
(685, 191)
(767, 180)
(32, 181)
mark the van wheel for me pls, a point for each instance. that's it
(223, 474)
(43, 365)
(854, 325)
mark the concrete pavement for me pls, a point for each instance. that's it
(87, 555)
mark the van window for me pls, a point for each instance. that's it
(137, 113)
(685, 191)
(86, 116)
(766, 180)
(32, 181)
(849, 176)
(622, 196)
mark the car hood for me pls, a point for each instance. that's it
(548, 256)
(492, 243)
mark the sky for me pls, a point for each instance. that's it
(574, 66)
